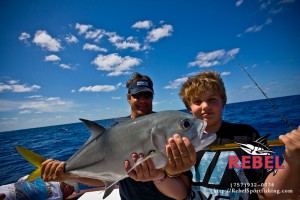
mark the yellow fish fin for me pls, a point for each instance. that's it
(34, 175)
(34, 159)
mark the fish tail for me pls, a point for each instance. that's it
(34, 159)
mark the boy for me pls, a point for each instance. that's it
(205, 96)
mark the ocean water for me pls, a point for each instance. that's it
(60, 142)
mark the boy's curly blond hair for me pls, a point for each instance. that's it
(204, 81)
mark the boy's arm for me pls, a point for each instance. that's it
(181, 157)
(286, 180)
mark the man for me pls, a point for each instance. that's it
(145, 182)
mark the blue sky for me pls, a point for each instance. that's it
(65, 60)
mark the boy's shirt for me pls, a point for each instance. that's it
(212, 178)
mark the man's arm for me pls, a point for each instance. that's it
(53, 170)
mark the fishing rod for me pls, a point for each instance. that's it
(269, 142)
(267, 98)
(220, 147)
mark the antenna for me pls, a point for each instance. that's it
(269, 100)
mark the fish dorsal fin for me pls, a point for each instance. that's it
(95, 128)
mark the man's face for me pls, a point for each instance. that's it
(141, 103)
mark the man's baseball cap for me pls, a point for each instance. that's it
(140, 85)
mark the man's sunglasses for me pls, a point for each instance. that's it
(145, 95)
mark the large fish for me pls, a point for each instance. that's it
(103, 154)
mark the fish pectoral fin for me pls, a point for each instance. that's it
(159, 161)
(109, 186)
(108, 189)
(140, 160)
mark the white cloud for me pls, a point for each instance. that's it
(82, 28)
(98, 88)
(214, 58)
(128, 44)
(44, 40)
(25, 112)
(156, 34)
(71, 39)
(122, 43)
(276, 10)
(142, 24)
(93, 47)
(225, 73)
(115, 98)
(37, 104)
(256, 28)
(24, 37)
(264, 4)
(113, 37)
(18, 87)
(51, 104)
(35, 97)
(65, 66)
(97, 35)
(52, 58)
(6, 105)
(116, 64)
(239, 3)
(233, 52)
(246, 88)
(174, 84)
(25, 88)
(13, 81)
(286, 1)
(52, 99)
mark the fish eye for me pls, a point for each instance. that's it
(185, 124)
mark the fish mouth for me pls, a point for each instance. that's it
(202, 140)
(206, 140)
(201, 129)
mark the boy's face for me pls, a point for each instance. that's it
(208, 106)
